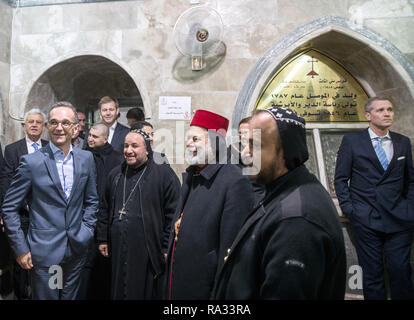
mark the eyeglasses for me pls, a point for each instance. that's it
(65, 123)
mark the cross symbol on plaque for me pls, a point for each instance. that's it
(312, 73)
(121, 212)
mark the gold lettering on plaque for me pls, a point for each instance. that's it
(317, 88)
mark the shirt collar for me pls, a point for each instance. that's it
(29, 141)
(113, 126)
(57, 150)
(373, 136)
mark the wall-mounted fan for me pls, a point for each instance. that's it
(197, 34)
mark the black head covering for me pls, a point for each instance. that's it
(146, 139)
(293, 134)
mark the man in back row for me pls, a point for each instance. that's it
(34, 122)
(108, 108)
(96, 274)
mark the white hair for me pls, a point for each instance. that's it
(34, 111)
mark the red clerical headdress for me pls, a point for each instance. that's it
(210, 121)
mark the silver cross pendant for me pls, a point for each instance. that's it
(121, 212)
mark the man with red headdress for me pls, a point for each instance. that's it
(214, 202)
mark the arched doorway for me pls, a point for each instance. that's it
(83, 80)
(378, 66)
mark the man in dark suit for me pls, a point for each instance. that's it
(109, 112)
(5, 254)
(34, 121)
(58, 184)
(374, 182)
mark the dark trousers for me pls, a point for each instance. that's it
(21, 282)
(95, 276)
(372, 248)
(71, 273)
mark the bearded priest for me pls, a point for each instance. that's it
(215, 200)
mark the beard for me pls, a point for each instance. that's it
(200, 158)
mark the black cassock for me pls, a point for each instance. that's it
(132, 277)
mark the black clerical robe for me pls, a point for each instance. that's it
(138, 241)
(131, 274)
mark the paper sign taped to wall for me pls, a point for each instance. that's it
(174, 108)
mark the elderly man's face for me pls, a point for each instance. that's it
(197, 147)
(34, 126)
(135, 150)
(272, 163)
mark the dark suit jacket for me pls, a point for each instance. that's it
(118, 138)
(12, 154)
(381, 200)
(54, 219)
(5, 254)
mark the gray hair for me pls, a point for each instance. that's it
(368, 104)
(65, 104)
(34, 111)
(101, 127)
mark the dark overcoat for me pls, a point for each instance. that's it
(215, 203)
(291, 246)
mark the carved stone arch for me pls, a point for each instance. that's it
(82, 78)
(378, 65)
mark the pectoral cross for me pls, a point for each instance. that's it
(122, 212)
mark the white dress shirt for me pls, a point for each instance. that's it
(64, 167)
(29, 143)
(111, 131)
(386, 143)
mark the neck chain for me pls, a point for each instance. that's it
(123, 212)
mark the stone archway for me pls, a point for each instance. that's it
(379, 66)
(83, 80)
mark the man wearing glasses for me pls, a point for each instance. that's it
(34, 122)
(58, 182)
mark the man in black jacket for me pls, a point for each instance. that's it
(215, 200)
(95, 280)
(135, 219)
(34, 122)
(291, 246)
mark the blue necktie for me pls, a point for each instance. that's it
(35, 146)
(382, 157)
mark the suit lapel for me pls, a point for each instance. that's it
(115, 137)
(22, 149)
(51, 167)
(76, 171)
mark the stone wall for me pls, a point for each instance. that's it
(5, 36)
(138, 37)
